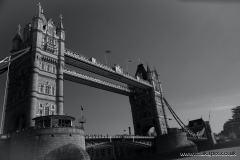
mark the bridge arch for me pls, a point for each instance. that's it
(149, 131)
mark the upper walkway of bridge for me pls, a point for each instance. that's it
(74, 76)
(91, 65)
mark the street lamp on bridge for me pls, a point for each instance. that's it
(128, 61)
(107, 51)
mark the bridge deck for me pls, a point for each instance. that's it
(92, 65)
(74, 76)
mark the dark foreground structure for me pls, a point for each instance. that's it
(53, 138)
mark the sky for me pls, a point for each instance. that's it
(194, 45)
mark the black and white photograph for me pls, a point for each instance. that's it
(119, 79)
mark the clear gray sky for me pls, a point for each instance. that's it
(194, 45)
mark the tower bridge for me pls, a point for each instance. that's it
(35, 90)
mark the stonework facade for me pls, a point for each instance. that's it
(48, 143)
(147, 106)
(36, 79)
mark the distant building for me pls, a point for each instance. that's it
(233, 125)
(200, 127)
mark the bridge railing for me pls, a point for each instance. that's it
(86, 59)
(72, 72)
(117, 136)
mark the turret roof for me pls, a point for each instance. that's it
(60, 24)
(18, 35)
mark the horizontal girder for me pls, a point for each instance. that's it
(74, 76)
(91, 65)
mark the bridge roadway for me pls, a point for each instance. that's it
(74, 76)
(130, 140)
(91, 65)
(142, 141)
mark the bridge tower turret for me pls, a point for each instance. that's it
(61, 48)
(17, 40)
(35, 86)
(146, 105)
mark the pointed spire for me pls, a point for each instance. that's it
(39, 11)
(159, 81)
(39, 6)
(148, 68)
(19, 28)
(156, 72)
(18, 35)
(60, 24)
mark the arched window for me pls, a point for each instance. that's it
(40, 106)
(40, 112)
(46, 111)
(53, 90)
(53, 107)
(48, 68)
(39, 88)
(42, 66)
(42, 88)
(53, 69)
(47, 89)
(50, 90)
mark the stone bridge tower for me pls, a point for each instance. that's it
(35, 84)
(147, 106)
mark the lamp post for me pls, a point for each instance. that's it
(82, 119)
(124, 132)
(128, 61)
(107, 51)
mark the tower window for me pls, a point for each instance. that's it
(48, 68)
(40, 106)
(47, 89)
(50, 90)
(46, 111)
(53, 69)
(53, 107)
(40, 65)
(41, 88)
(53, 90)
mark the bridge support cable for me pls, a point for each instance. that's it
(3, 70)
(5, 98)
(179, 120)
(174, 114)
(7, 81)
(9, 59)
(4, 61)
